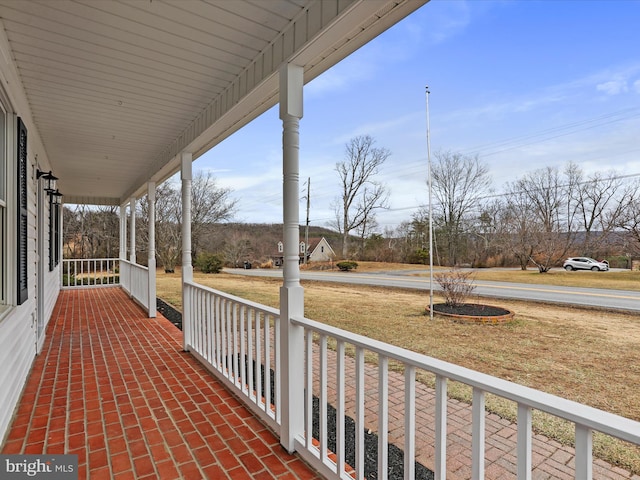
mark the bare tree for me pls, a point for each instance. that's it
(630, 220)
(601, 201)
(361, 194)
(238, 249)
(517, 230)
(209, 204)
(91, 232)
(460, 183)
(541, 203)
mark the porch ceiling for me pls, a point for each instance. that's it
(117, 90)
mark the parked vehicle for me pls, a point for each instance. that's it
(585, 263)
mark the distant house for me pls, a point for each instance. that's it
(320, 250)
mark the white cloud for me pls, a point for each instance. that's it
(613, 87)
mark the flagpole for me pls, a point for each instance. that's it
(430, 209)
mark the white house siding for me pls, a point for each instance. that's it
(17, 331)
(17, 351)
(18, 325)
(322, 252)
(51, 278)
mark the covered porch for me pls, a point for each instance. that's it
(115, 388)
(116, 98)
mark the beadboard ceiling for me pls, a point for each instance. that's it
(118, 89)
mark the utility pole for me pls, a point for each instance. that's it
(306, 231)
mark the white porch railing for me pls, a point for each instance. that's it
(235, 340)
(93, 272)
(134, 279)
(238, 341)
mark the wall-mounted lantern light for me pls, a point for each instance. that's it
(56, 197)
(49, 180)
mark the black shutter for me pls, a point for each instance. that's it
(23, 217)
(51, 234)
(56, 241)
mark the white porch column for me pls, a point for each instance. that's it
(151, 247)
(291, 293)
(132, 248)
(187, 268)
(123, 232)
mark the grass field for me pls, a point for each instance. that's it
(586, 355)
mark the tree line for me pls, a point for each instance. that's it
(540, 218)
(537, 220)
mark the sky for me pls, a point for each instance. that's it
(523, 85)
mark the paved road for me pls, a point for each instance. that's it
(594, 297)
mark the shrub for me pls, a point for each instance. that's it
(209, 263)
(68, 279)
(420, 256)
(347, 265)
(456, 286)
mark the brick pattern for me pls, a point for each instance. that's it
(115, 388)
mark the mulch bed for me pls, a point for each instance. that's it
(170, 313)
(472, 309)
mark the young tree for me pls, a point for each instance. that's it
(361, 194)
(460, 183)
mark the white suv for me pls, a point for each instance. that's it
(585, 263)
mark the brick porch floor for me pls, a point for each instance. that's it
(115, 388)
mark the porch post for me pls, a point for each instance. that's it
(123, 231)
(291, 293)
(187, 268)
(151, 261)
(132, 238)
(125, 280)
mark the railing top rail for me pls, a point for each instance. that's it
(256, 306)
(132, 264)
(593, 418)
(111, 259)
